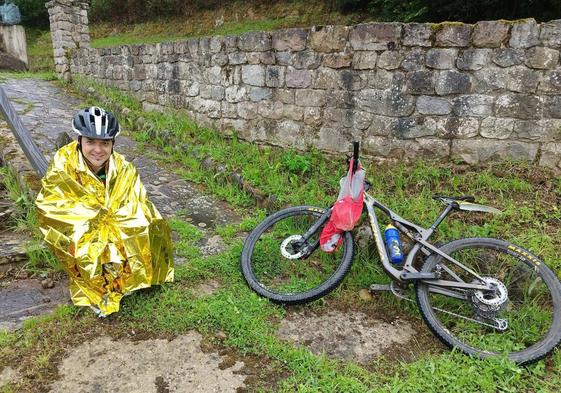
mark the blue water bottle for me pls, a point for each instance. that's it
(393, 244)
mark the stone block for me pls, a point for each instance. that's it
(324, 78)
(253, 57)
(542, 58)
(475, 105)
(267, 57)
(522, 80)
(328, 38)
(551, 82)
(260, 93)
(352, 80)
(253, 75)
(293, 112)
(389, 60)
(213, 92)
(274, 76)
(540, 130)
(496, 128)
(255, 41)
(299, 79)
(219, 59)
(489, 34)
(229, 110)
(461, 127)
(551, 155)
(411, 128)
(364, 60)
(230, 43)
(286, 96)
(312, 116)
(508, 57)
(416, 34)
(524, 34)
(189, 88)
(349, 117)
(309, 97)
(386, 103)
(413, 60)
(452, 82)
(337, 60)
(441, 59)
(489, 79)
(271, 110)
(291, 40)
(375, 36)
(456, 35)
(550, 35)
(247, 110)
(208, 107)
(236, 58)
(428, 105)
(473, 59)
(235, 93)
(420, 82)
(519, 106)
(216, 44)
(306, 59)
(552, 107)
(480, 150)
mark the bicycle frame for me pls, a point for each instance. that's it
(419, 235)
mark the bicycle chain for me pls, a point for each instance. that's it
(501, 325)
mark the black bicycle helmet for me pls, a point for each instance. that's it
(95, 123)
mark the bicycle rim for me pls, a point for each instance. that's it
(527, 299)
(276, 271)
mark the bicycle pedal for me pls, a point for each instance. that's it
(379, 287)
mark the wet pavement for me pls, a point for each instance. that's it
(47, 110)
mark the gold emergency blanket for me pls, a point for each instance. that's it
(110, 238)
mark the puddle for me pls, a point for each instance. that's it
(26, 298)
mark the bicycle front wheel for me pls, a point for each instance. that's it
(520, 318)
(277, 265)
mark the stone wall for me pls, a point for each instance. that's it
(13, 42)
(473, 92)
(69, 31)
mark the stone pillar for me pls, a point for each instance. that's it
(69, 31)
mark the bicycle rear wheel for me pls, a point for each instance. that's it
(520, 318)
(276, 267)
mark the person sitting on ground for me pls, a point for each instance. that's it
(95, 215)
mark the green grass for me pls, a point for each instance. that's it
(527, 195)
(40, 51)
(24, 218)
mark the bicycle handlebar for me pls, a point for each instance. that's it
(356, 145)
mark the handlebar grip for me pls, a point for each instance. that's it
(356, 145)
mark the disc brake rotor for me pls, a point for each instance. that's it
(287, 248)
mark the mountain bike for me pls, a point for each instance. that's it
(483, 296)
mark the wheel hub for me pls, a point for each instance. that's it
(289, 247)
(487, 303)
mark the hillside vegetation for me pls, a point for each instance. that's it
(118, 22)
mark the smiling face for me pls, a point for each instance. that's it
(96, 151)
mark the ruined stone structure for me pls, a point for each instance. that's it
(69, 31)
(13, 48)
(473, 92)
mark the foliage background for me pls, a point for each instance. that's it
(35, 14)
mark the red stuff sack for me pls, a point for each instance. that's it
(346, 211)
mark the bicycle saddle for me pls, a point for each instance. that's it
(465, 202)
